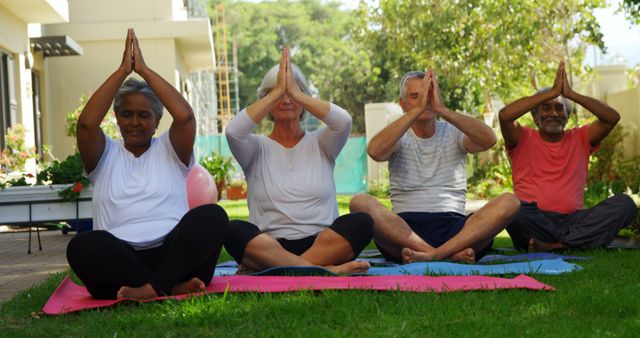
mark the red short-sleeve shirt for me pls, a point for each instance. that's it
(552, 174)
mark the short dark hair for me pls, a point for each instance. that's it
(133, 85)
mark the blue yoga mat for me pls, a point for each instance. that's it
(494, 259)
(529, 256)
(543, 266)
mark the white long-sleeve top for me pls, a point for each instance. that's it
(291, 191)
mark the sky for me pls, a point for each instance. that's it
(620, 37)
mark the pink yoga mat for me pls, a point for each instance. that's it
(70, 297)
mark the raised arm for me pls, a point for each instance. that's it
(182, 132)
(607, 116)
(261, 108)
(318, 108)
(89, 135)
(333, 138)
(509, 114)
(384, 142)
(477, 135)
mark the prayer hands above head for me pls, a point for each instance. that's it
(281, 80)
(558, 82)
(293, 88)
(127, 55)
(138, 61)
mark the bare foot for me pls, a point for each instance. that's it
(244, 270)
(467, 255)
(140, 293)
(540, 246)
(193, 285)
(349, 268)
(411, 256)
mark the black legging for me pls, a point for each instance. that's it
(105, 263)
(356, 228)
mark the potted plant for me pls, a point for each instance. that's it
(237, 189)
(220, 168)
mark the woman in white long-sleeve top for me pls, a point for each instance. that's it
(292, 196)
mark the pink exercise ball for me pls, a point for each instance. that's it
(200, 187)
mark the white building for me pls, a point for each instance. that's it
(55, 51)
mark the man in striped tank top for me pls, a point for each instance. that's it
(426, 149)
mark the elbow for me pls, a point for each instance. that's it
(375, 155)
(502, 115)
(616, 118)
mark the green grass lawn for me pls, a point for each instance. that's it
(601, 300)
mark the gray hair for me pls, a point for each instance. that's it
(568, 106)
(133, 85)
(414, 74)
(270, 79)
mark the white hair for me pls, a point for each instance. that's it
(270, 79)
(414, 74)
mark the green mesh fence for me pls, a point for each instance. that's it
(350, 173)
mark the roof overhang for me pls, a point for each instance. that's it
(193, 37)
(61, 45)
(38, 11)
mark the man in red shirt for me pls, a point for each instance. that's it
(549, 170)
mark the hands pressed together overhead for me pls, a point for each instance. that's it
(286, 84)
(132, 59)
(561, 84)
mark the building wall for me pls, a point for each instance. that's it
(171, 45)
(88, 11)
(69, 78)
(627, 103)
(376, 117)
(14, 40)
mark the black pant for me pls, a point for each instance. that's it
(583, 229)
(356, 228)
(105, 263)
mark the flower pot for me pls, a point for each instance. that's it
(236, 193)
(41, 203)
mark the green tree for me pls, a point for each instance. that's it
(631, 8)
(479, 48)
(318, 33)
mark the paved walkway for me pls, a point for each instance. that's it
(18, 270)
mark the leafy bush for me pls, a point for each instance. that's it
(65, 172)
(491, 177)
(380, 187)
(109, 125)
(219, 167)
(16, 153)
(611, 173)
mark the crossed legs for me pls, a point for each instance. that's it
(110, 268)
(333, 248)
(393, 234)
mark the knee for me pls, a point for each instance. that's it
(626, 203)
(84, 244)
(508, 204)
(364, 222)
(213, 217)
(361, 202)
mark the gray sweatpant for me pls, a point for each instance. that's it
(583, 229)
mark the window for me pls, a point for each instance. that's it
(8, 103)
(37, 114)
